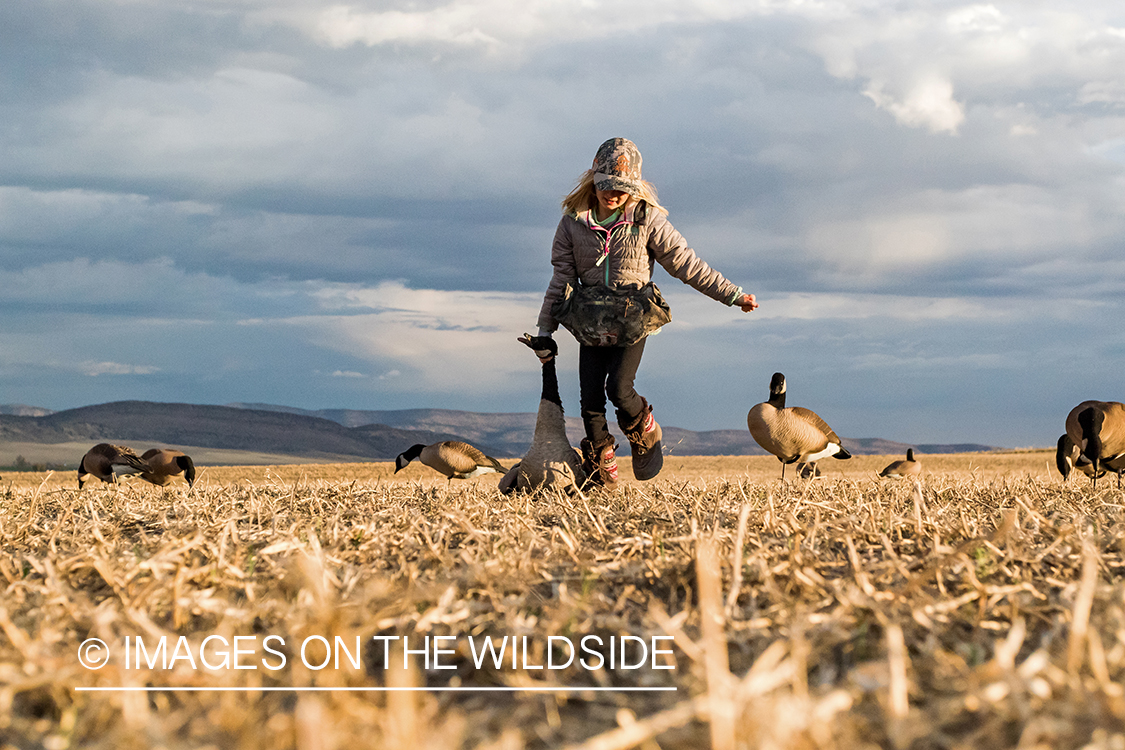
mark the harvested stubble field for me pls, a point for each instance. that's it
(983, 609)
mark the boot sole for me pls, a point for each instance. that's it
(651, 466)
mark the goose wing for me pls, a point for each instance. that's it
(463, 458)
(121, 455)
(1113, 431)
(814, 419)
(815, 424)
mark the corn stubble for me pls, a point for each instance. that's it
(971, 612)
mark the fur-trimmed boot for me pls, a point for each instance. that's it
(600, 463)
(644, 440)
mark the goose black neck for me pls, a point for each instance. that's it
(186, 465)
(777, 391)
(551, 383)
(1090, 420)
(1062, 456)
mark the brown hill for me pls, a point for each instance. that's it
(215, 427)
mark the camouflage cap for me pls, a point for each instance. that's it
(617, 166)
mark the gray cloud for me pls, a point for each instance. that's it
(208, 201)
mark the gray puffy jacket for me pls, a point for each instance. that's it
(642, 238)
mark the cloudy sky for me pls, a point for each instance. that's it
(351, 206)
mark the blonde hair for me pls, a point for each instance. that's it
(582, 197)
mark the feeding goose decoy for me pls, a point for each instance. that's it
(453, 458)
(167, 463)
(908, 468)
(108, 462)
(793, 434)
(1097, 428)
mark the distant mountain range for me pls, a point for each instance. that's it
(511, 432)
(274, 432)
(347, 434)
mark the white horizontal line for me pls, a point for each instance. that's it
(374, 689)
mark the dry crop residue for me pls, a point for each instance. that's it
(847, 613)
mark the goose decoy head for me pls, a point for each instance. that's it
(1063, 454)
(407, 456)
(544, 347)
(185, 463)
(777, 384)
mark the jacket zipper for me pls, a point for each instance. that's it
(597, 228)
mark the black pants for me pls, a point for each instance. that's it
(608, 371)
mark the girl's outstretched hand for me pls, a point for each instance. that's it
(747, 303)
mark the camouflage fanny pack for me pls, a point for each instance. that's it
(601, 316)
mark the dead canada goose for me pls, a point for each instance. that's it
(1097, 428)
(167, 463)
(793, 434)
(454, 459)
(108, 462)
(907, 468)
(551, 459)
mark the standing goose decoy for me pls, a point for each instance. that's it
(907, 468)
(551, 460)
(167, 463)
(108, 462)
(454, 459)
(793, 434)
(1097, 428)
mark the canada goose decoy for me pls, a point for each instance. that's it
(793, 434)
(551, 459)
(108, 462)
(907, 468)
(1097, 428)
(167, 463)
(454, 459)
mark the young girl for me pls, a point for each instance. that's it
(612, 231)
